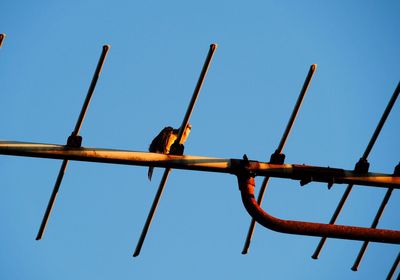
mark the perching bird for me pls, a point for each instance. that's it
(164, 140)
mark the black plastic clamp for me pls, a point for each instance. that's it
(277, 158)
(397, 170)
(74, 141)
(362, 166)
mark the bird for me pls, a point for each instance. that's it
(163, 142)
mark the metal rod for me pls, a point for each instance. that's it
(364, 157)
(153, 209)
(92, 86)
(382, 121)
(200, 163)
(182, 128)
(203, 73)
(374, 225)
(52, 200)
(389, 191)
(333, 219)
(78, 125)
(393, 268)
(246, 187)
(297, 107)
(2, 36)
(281, 145)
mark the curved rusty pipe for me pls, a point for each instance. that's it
(246, 186)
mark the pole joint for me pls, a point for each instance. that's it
(74, 141)
(362, 166)
(397, 170)
(277, 158)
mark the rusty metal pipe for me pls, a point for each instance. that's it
(252, 225)
(246, 183)
(246, 187)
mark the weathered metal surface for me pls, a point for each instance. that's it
(200, 163)
(246, 186)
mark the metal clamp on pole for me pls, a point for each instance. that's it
(277, 158)
(362, 166)
(74, 141)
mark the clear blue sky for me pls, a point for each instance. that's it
(157, 51)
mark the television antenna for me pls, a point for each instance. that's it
(244, 169)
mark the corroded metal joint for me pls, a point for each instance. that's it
(244, 168)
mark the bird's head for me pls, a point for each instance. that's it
(186, 133)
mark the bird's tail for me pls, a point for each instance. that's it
(150, 172)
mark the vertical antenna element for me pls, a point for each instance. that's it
(92, 86)
(182, 128)
(279, 151)
(364, 158)
(152, 211)
(297, 107)
(73, 140)
(204, 70)
(382, 121)
(374, 225)
(394, 267)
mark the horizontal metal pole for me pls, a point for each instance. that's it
(303, 172)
